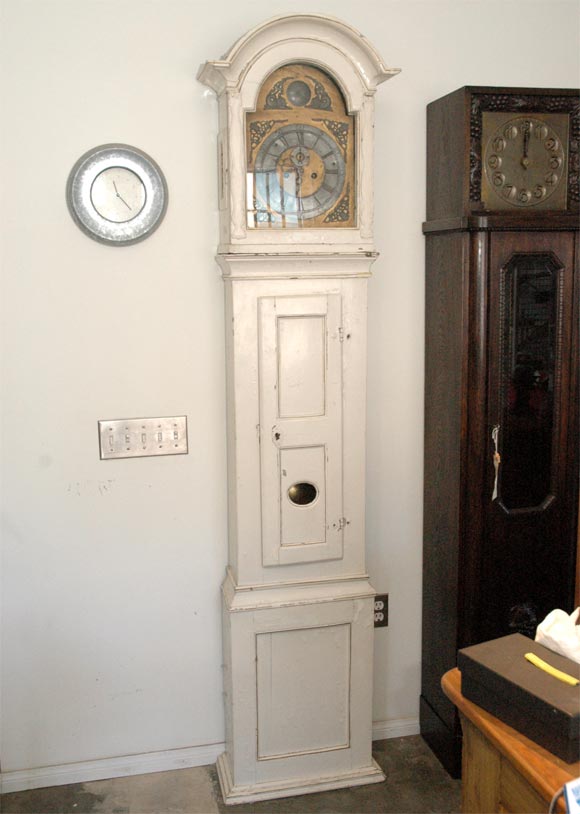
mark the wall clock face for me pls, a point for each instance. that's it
(524, 160)
(117, 194)
(300, 144)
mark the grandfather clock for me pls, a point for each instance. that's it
(501, 403)
(295, 155)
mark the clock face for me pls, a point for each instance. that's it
(301, 153)
(300, 172)
(116, 194)
(524, 161)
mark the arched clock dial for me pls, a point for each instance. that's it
(524, 162)
(299, 173)
(301, 152)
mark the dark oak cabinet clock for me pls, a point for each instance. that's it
(501, 378)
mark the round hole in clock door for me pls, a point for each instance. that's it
(302, 494)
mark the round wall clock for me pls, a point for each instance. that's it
(116, 194)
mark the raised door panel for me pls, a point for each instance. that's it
(303, 690)
(300, 362)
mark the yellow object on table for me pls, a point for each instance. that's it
(547, 668)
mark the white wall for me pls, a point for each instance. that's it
(111, 570)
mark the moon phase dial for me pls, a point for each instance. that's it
(299, 174)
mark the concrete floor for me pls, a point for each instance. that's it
(415, 783)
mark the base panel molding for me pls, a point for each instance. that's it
(270, 791)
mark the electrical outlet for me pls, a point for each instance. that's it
(381, 610)
(137, 437)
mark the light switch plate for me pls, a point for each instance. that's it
(142, 437)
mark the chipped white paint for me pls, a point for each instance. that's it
(298, 607)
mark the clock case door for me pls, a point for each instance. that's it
(527, 560)
(485, 555)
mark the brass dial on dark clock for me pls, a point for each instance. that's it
(524, 161)
(300, 142)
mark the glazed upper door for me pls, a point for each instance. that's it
(527, 555)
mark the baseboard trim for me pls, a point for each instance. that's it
(129, 765)
(108, 768)
(397, 728)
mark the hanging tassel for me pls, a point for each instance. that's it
(496, 459)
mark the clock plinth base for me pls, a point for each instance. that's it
(298, 691)
(234, 795)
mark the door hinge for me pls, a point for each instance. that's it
(341, 334)
(342, 522)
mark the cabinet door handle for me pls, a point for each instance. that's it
(496, 459)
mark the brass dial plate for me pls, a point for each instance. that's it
(524, 160)
(299, 173)
(300, 145)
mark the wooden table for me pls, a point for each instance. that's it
(503, 771)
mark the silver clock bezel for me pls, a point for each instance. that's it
(82, 210)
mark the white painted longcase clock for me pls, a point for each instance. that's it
(296, 99)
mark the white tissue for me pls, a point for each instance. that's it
(560, 633)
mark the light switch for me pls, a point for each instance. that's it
(141, 437)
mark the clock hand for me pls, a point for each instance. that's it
(525, 160)
(120, 197)
(299, 176)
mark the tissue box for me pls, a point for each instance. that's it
(496, 676)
